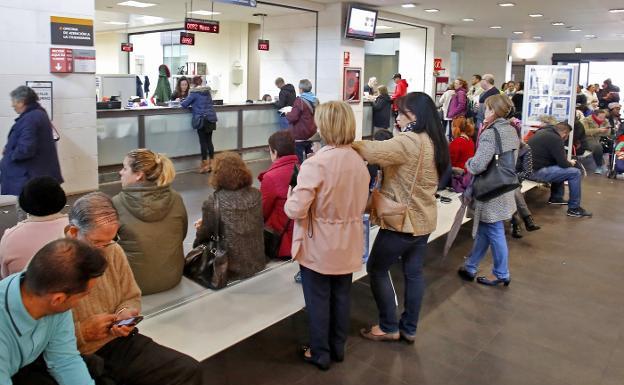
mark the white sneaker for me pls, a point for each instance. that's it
(599, 171)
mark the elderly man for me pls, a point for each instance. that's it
(130, 358)
(37, 341)
(487, 84)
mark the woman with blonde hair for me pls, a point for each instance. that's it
(327, 204)
(490, 216)
(153, 220)
(240, 211)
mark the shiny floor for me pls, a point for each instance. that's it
(559, 323)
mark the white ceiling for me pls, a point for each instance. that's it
(592, 17)
(169, 12)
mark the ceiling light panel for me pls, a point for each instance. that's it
(432, 10)
(535, 15)
(204, 13)
(558, 23)
(468, 19)
(137, 4)
(506, 4)
(409, 5)
(496, 27)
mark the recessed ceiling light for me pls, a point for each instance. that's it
(115, 22)
(496, 27)
(518, 32)
(151, 19)
(590, 36)
(204, 13)
(432, 10)
(617, 10)
(506, 4)
(575, 30)
(558, 23)
(468, 19)
(383, 27)
(137, 4)
(409, 5)
(537, 37)
(536, 15)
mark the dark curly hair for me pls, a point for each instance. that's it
(229, 172)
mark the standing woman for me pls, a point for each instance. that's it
(204, 121)
(182, 89)
(382, 108)
(30, 151)
(327, 206)
(412, 163)
(459, 103)
(490, 216)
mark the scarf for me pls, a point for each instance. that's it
(410, 127)
(599, 122)
(310, 97)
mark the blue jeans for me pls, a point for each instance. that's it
(490, 234)
(389, 247)
(556, 175)
(283, 122)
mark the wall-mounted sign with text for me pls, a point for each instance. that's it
(187, 38)
(127, 47)
(199, 25)
(43, 89)
(246, 3)
(263, 45)
(61, 60)
(71, 31)
(84, 61)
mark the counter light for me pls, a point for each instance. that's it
(204, 13)
(137, 4)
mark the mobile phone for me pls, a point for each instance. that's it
(129, 321)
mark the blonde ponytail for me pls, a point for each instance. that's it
(156, 167)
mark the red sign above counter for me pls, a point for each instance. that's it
(199, 25)
(263, 45)
(61, 60)
(187, 38)
(127, 47)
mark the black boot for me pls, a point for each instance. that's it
(515, 229)
(530, 224)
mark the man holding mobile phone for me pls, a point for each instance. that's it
(105, 320)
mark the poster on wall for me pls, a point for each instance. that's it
(71, 31)
(551, 91)
(84, 61)
(352, 85)
(44, 90)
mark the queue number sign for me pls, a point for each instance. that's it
(263, 45)
(187, 38)
(127, 47)
(199, 25)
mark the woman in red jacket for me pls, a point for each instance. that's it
(462, 147)
(274, 184)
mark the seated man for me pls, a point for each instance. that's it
(130, 358)
(550, 164)
(37, 340)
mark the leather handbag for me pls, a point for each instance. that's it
(500, 176)
(273, 241)
(207, 264)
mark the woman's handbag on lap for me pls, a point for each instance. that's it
(500, 176)
(207, 264)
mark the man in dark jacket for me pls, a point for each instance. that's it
(550, 164)
(487, 84)
(287, 96)
(30, 150)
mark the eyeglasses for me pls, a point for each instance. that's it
(103, 244)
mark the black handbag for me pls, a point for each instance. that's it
(273, 241)
(207, 264)
(500, 176)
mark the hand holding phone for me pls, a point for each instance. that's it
(132, 321)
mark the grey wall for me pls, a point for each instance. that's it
(382, 67)
(480, 56)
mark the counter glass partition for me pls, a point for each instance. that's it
(258, 125)
(174, 136)
(115, 138)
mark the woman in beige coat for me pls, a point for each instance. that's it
(412, 164)
(327, 205)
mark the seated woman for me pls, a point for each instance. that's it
(42, 199)
(462, 147)
(153, 220)
(597, 126)
(274, 184)
(241, 222)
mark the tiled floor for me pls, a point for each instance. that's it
(559, 323)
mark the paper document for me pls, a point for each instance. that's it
(285, 110)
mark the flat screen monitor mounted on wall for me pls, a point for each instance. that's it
(361, 23)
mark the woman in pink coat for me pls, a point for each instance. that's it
(327, 205)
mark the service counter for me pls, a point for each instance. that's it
(168, 130)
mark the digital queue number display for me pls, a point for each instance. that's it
(199, 25)
(127, 47)
(263, 45)
(187, 38)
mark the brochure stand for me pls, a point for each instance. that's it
(550, 90)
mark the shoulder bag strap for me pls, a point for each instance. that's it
(499, 142)
(420, 163)
(217, 219)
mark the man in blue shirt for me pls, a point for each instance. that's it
(36, 322)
